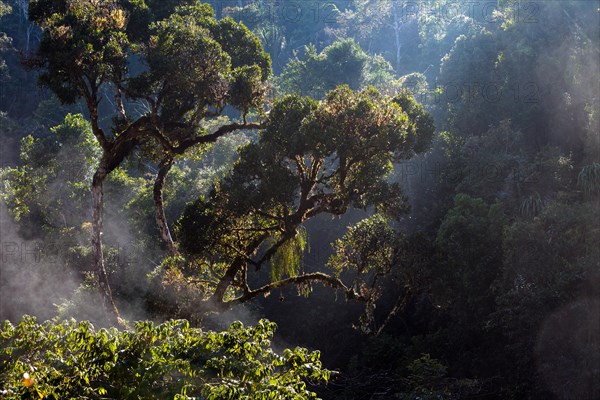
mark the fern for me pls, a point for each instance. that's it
(532, 205)
(589, 179)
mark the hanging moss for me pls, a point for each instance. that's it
(287, 261)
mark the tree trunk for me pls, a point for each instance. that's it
(100, 276)
(159, 208)
(217, 300)
(120, 108)
(397, 27)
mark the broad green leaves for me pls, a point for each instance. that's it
(173, 360)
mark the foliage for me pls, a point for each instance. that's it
(339, 156)
(172, 360)
(4, 8)
(367, 246)
(287, 260)
(18, 97)
(550, 261)
(469, 240)
(539, 258)
(531, 205)
(589, 179)
(193, 67)
(342, 62)
(84, 39)
(493, 288)
(367, 253)
(395, 25)
(284, 27)
(54, 173)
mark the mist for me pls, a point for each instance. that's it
(411, 188)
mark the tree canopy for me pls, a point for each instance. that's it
(413, 188)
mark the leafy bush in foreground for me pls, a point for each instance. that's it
(172, 360)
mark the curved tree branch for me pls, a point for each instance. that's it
(90, 94)
(325, 279)
(166, 164)
(398, 306)
(210, 138)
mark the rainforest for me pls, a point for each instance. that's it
(279, 199)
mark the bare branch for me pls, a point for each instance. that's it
(211, 138)
(399, 306)
(90, 96)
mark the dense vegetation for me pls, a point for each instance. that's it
(171, 360)
(411, 188)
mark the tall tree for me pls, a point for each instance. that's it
(312, 158)
(193, 66)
